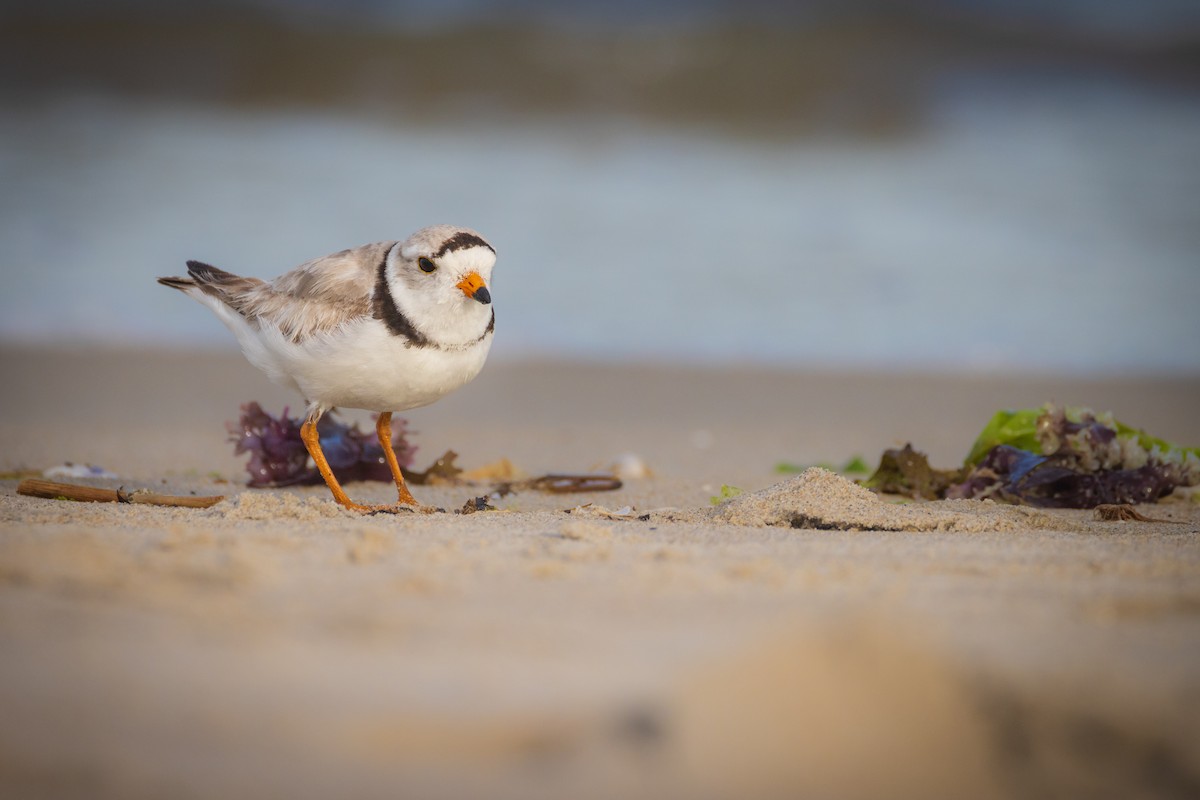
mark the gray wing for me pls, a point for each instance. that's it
(316, 297)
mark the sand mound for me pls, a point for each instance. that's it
(818, 498)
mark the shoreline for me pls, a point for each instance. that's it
(168, 410)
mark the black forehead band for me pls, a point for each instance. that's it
(461, 241)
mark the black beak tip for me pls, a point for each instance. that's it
(483, 295)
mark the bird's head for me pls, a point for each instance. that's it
(441, 277)
(450, 263)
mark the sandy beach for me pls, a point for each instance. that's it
(276, 645)
(940, 210)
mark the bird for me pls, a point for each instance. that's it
(384, 327)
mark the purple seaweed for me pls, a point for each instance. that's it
(1017, 476)
(278, 456)
(1083, 464)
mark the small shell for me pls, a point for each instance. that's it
(630, 467)
(69, 470)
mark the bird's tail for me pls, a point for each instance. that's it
(182, 284)
(202, 275)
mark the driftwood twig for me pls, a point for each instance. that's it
(563, 484)
(560, 484)
(52, 490)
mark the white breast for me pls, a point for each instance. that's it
(364, 365)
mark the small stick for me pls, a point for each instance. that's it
(52, 490)
(563, 484)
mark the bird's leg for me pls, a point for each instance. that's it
(312, 442)
(383, 428)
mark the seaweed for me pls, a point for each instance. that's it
(1013, 428)
(1080, 459)
(855, 465)
(727, 492)
(278, 456)
(1056, 456)
(907, 471)
(1014, 475)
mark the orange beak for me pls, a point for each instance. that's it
(473, 287)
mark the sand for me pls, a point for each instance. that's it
(637, 643)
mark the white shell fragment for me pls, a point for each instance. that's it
(69, 470)
(630, 467)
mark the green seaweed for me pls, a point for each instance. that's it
(727, 492)
(1152, 443)
(1072, 457)
(1019, 429)
(855, 466)
(1014, 428)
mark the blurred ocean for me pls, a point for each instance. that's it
(1030, 217)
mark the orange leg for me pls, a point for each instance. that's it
(308, 433)
(383, 428)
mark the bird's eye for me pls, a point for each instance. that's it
(426, 265)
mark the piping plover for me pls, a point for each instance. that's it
(383, 327)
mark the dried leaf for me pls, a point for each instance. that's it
(502, 470)
(441, 471)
